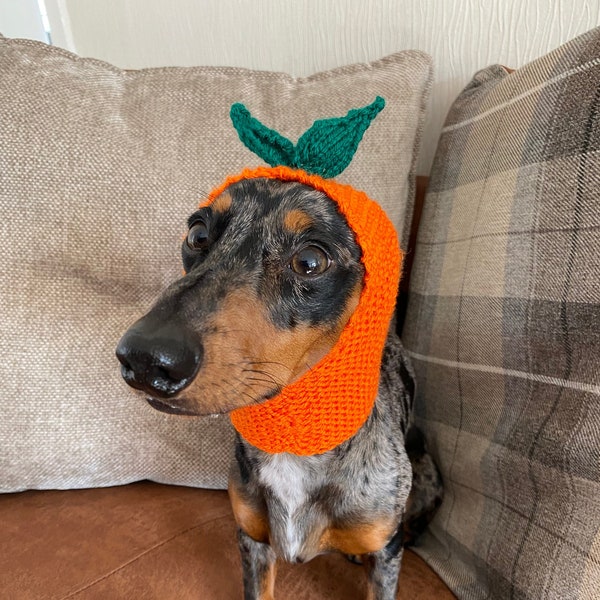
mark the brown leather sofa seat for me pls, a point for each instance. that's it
(151, 541)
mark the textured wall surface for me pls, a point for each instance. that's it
(304, 36)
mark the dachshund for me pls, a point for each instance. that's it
(273, 275)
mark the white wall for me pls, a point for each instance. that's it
(21, 18)
(305, 36)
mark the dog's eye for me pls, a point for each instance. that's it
(197, 237)
(310, 261)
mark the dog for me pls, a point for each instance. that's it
(273, 275)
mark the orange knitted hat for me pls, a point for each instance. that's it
(329, 403)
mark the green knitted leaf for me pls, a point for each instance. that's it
(327, 148)
(267, 143)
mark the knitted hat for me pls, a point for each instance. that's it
(328, 404)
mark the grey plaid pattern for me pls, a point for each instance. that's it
(503, 327)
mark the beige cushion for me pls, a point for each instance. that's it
(99, 169)
(503, 327)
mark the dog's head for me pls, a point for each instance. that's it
(273, 274)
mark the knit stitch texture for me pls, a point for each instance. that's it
(325, 149)
(328, 404)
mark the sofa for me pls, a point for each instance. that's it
(499, 310)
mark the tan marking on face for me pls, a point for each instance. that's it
(297, 220)
(248, 518)
(325, 343)
(222, 203)
(247, 358)
(351, 306)
(360, 539)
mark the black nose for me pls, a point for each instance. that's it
(161, 359)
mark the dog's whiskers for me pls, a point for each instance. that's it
(269, 362)
(266, 374)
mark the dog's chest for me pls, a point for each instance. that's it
(288, 479)
(290, 482)
(312, 508)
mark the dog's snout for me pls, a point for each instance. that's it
(161, 360)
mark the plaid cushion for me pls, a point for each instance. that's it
(503, 326)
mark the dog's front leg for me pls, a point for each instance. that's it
(383, 569)
(258, 565)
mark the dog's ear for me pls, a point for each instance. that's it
(325, 149)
